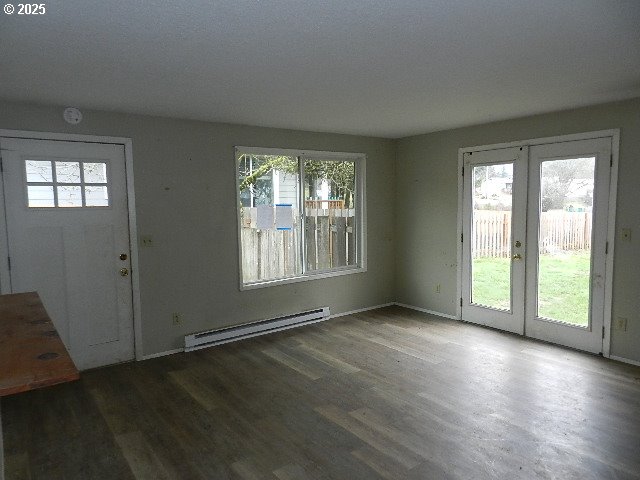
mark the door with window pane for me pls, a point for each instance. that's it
(535, 224)
(567, 235)
(493, 234)
(68, 236)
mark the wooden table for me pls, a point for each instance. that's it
(31, 352)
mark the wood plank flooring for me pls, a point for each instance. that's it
(387, 394)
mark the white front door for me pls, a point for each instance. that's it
(535, 223)
(68, 238)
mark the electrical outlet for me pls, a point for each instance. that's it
(437, 288)
(147, 241)
(177, 319)
(620, 324)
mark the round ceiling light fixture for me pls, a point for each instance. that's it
(72, 115)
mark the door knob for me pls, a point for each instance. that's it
(517, 256)
(123, 256)
(124, 272)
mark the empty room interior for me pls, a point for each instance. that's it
(320, 240)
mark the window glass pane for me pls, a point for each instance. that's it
(330, 212)
(564, 246)
(95, 172)
(69, 196)
(96, 196)
(68, 172)
(256, 177)
(491, 242)
(40, 196)
(269, 217)
(38, 171)
(244, 170)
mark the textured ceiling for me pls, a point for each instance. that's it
(373, 67)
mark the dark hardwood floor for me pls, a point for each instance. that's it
(391, 394)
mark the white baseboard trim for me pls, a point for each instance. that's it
(625, 360)
(424, 310)
(351, 312)
(162, 354)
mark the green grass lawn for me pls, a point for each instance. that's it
(563, 292)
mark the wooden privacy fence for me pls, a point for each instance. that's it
(559, 231)
(269, 254)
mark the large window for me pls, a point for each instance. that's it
(300, 215)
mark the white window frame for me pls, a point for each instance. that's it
(360, 226)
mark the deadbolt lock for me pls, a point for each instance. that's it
(123, 256)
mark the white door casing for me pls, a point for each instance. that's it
(71, 255)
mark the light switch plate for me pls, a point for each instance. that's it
(620, 324)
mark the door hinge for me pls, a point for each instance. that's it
(606, 248)
(603, 331)
(460, 301)
(1, 166)
(611, 160)
(461, 237)
(463, 170)
(9, 262)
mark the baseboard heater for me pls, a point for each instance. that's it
(196, 341)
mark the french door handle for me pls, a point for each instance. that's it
(517, 256)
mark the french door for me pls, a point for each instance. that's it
(534, 240)
(495, 185)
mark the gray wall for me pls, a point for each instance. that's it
(426, 207)
(185, 198)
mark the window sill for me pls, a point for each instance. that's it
(303, 278)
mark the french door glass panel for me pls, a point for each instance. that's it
(564, 239)
(491, 240)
